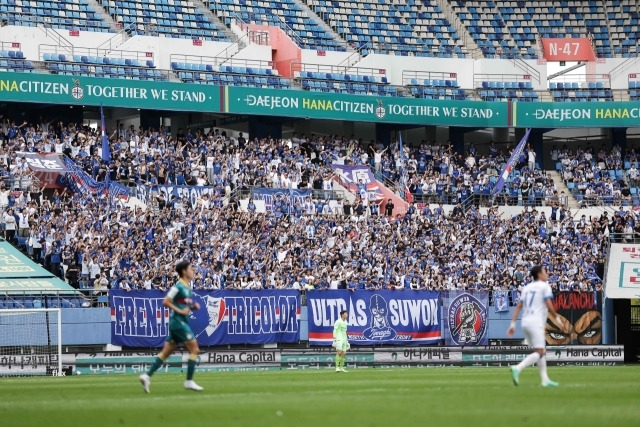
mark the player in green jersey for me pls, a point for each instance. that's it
(341, 341)
(180, 300)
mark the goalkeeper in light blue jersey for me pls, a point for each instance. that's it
(341, 341)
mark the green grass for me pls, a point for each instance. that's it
(592, 396)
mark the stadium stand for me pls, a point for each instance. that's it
(275, 165)
(608, 178)
(108, 67)
(489, 31)
(582, 91)
(557, 19)
(433, 85)
(622, 20)
(14, 60)
(285, 14)
(417, 28)
(62, 14)
(233, 72)
(166, 18)
(339, 79)
(505, 87)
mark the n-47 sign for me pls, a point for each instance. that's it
(568, 50)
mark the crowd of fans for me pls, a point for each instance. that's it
(602, 178)
(99, 243)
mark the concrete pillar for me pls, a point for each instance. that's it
(536, 139)
(619, 136)
(383, 133)
(150, 118)
(500, 134)
(456, 136)
(261, 127)
(430, 133)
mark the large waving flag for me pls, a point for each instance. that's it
(106, 151)
(513, 160)
(407, 194)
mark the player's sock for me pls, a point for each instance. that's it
(344, 361)
(338, 358)
(530, 360)
(156, 364)
(542, 367)
(191, 366)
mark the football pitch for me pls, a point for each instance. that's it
(589, 396)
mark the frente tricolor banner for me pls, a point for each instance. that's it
(376, 317)
(513, 161)
(225, 317)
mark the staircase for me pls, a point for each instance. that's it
(572, 203)
(469, 44)
(321, 20)
(219, 21)
(100, 10)
(118, 39)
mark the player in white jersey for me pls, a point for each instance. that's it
(535, 304)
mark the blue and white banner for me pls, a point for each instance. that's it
(513, 161)
(358, 179)
(273, 197)
(501, 301)
(138, 318)
(465, 317)
(193, 193)
(376, 317)
(79, 181)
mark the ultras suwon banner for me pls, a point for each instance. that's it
(465, 317)
(376, 317)
(138, 318)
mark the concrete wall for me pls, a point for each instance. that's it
(85, 326)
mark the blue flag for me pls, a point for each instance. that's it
(513, 160)
(501, 301)
(106, 151)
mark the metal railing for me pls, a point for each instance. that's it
(624, 66)
(583, 80)
(337, 69)
(97, 52)
(528, 69)
(217, 61)
(599, 200)
(254, 193)
(111, 71)
(49, 299)
(421, 76)
(44, 25)
(479, 78)
(486, 200)
(356, 56)
(10, 46)
(118, 39)
(252, 36)
(632, 237)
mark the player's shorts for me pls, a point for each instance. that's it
(342, 345)
(180, 334)
(534, 335)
